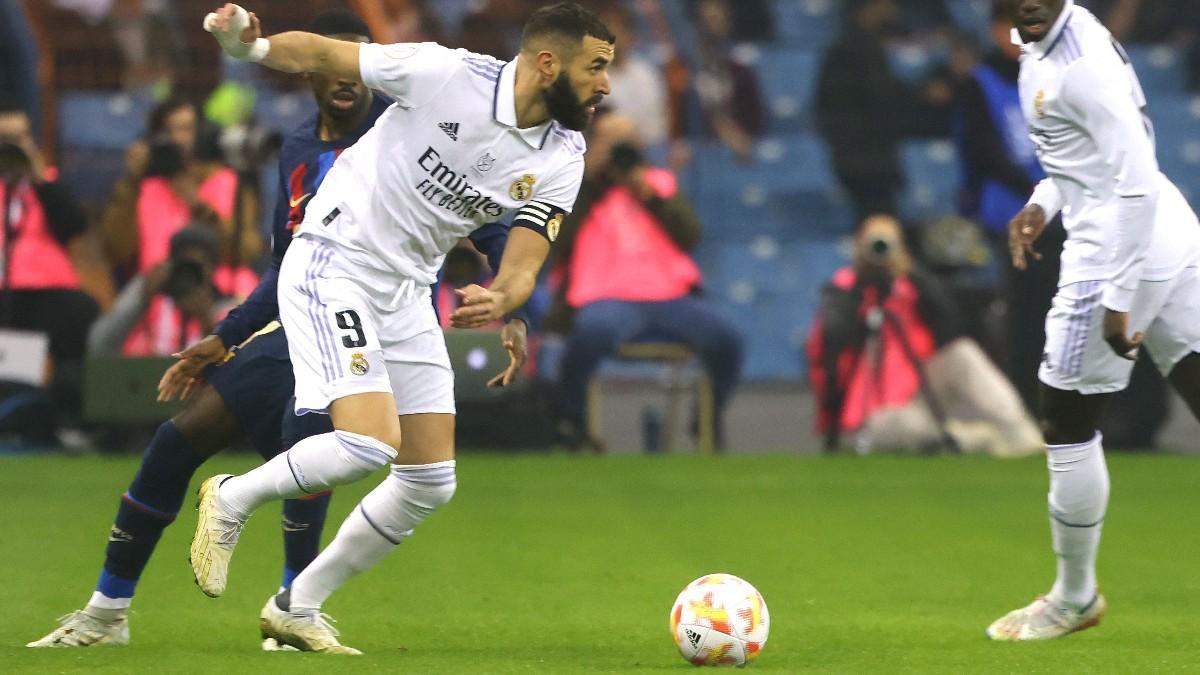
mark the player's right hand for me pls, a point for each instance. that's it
(179, 379)
(234, 28)
(1023, 230)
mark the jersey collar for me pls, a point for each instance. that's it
(1043, 47)
(504, 108)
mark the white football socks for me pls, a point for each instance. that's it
(312, 465)
(383, 519)
(1078, 499)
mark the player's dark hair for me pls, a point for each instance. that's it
(195, 237)
(338, 21)
(157, 121)
(567, 22)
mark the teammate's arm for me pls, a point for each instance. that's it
(240, 36)
(1105, 108)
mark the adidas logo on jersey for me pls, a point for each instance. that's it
(451, 129)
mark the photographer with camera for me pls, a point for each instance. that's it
(169, 185)
(627, 274)
(169, 307)
(889, 362)
(41, 235)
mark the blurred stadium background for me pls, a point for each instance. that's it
(776, 219)
(872, 564)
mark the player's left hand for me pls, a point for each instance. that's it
(480, 306)
(515, 338)
(179, 379)
(1116, 327)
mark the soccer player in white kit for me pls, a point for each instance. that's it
(469, 140)
(1129, 279)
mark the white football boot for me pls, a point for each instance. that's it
(306, 632)
(1045, 619)
(216, 534)
(80, 629)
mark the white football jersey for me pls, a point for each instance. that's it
(443, 160)
(1085, 108)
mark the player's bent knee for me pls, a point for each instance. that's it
(363, 451)
(1057, 432)
(408, 496)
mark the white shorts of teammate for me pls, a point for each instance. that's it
(351, 335)
(1077, 358)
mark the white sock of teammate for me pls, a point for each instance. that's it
(312, 465)
(1078, 499)
(383, 519)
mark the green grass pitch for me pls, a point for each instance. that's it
(551, 564)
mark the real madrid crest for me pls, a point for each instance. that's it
(358, 364)
(1039, 103)
(553, 226)
(522, 188)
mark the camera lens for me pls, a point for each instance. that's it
(880, 247)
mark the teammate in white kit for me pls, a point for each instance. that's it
(469, 140)
(1129, 279)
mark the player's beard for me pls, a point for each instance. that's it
(565, 107)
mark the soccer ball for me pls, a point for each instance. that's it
(720, 619)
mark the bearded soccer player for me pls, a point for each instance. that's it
(469, 140)
(1129, 279)
(249, 395)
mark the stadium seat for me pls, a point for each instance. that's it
(973, 17)
(101, 120)
(914, 62)
(811, 23)
(672, 366)
(283, 110)
(932, 176)
(1160, 69)
(788, 77)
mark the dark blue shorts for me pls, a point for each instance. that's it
(257, 386)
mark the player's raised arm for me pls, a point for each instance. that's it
(240, 35)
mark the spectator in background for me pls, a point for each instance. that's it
(171, 305)
(863, 110)
(730, 101)
(19, 60)
(627, 275)
(889, 362)
(167, 186)
(146, 32)
(638, 88)
(1001, 169)
(749, 20)
(40, 287)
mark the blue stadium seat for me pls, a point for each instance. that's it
(90, 172)
(101, 120)
(931, 171)
(767, 324)
(1176, 119)
(283, 111)
(788, 77)
(914, 62)
(973, 17)
(1160, 69)
(811, 23)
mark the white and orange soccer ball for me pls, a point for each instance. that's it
(720, 619)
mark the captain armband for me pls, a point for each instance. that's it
(541, 217)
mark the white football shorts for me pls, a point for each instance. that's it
(353, 330)
(1077, 358)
